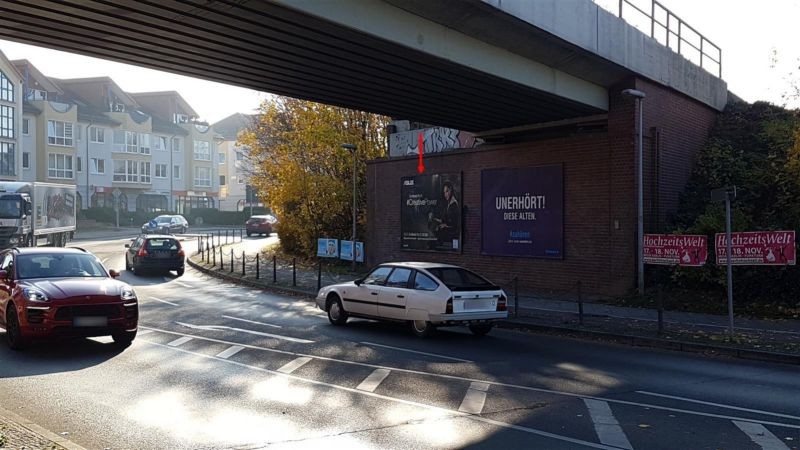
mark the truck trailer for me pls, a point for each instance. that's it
(35, 213)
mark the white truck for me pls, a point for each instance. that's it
(31, 213)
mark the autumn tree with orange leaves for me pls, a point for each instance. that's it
(300, 170)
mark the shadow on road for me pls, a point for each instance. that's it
(55, 356)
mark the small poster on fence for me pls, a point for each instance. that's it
(675, 250)
(346, 252)
(327, 248)
(757, 248)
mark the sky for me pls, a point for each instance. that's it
(760, 56)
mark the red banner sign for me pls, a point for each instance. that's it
(675, 250)
(757, 248)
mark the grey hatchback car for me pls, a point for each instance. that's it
(166, 225)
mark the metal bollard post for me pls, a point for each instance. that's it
(257, 260)
(221, 259)
(580, 305)
(319, 275)
(214, 252)
(660, 299)
(231, 260)
(241, 235)
(294, 271)
(219, 236)
(226, 237)
(200, 247)
(243, 261)
(516, 296)
(274, 268)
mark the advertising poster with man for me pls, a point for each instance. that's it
(522, 212)
(430, 216)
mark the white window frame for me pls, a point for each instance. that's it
(202, 150)
(240, 179)
(177, 145)
(201, 182)
(177, 175)
(7, 125)
(26, 156)
(130, 173)
(144, 143)
(162, 171)
(131, 142)
(26, 126)
(221, 157)
(67, 172)
(62, 139)
(96, 164)
(97, 135)
(144, 172)
(160, 143)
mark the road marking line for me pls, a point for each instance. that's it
(761, 436)
(163, 301)
(605, 424)
(180, 283)
(758, 411)
(252, 321)
(180, 341)
(230, 351)
(373, 380)
(143, 332)
(453, 413)
(244, 330)
(414, 351)
(491, 383)
(474, 399)
(295, 364)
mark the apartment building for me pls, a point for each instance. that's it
(233, 163)
(10, 120)
(146, 151)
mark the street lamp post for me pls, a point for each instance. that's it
(639, 96)
(352, 148)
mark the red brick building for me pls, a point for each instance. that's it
(598, 156)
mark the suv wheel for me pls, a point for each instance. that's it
(123, 339)
(14, 336)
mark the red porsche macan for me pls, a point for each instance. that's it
(63, 292)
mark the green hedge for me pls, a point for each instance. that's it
(212, 216)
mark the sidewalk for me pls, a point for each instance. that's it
(776, 339)
(19, 433)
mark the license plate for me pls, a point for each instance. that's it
(89, 321)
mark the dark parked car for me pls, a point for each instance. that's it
(63, 292)
(260, 225)
(155, 252)
(166, 225)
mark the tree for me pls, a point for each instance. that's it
(300, 170)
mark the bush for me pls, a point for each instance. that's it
(211, 216)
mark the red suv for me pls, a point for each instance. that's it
(63, 292)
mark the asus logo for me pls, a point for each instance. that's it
(408, 182)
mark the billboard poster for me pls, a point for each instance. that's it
(346, 251)
(757, 248)
(675, 250)
(327, 248)
(430, 213)
(522, 212)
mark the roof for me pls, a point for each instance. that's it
(145, 96)
(13, 67)
(122, 95)
(162, 126)
(230, 126)
(23, 65)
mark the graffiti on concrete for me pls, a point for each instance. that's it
(435, 140)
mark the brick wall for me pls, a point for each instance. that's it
(599, 194)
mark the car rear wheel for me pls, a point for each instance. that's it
(249, 234)
(481, 329)
(123, 339)
(336, 313)
(422, 328)
(14, 336)
(183, 230)
(180, 272)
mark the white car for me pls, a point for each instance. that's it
(425, 295)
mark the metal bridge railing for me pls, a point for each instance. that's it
(672, 31)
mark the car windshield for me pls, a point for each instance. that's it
(458, 279)
(58, 265)
(163, 219)
(10, 208)
(163, 244)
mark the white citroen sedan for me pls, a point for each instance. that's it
(424, 295)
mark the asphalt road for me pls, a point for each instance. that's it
(222, 366)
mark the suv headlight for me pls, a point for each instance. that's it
(127, 294)
(34, 295)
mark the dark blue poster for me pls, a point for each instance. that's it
(430, 213)
(522, 212)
